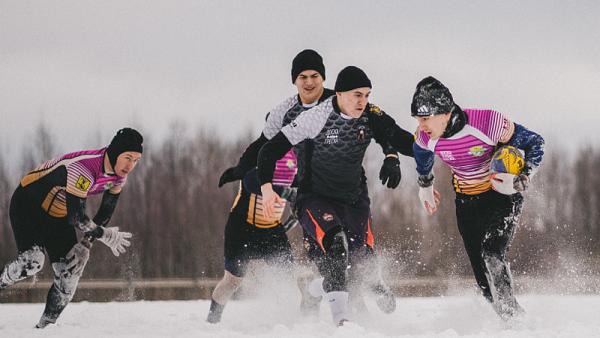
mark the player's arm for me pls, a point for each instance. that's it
(424, 159)
(76, 216)
(532, 144)
(272, 151)
(390, 172)
(306, 126)
(386, 131)
(246, 162)
(107, 207)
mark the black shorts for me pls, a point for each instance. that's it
(320, 216)
(33, 227)
(244, 242)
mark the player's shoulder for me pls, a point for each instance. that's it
(375, 110)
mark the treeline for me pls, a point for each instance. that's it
(177, 214)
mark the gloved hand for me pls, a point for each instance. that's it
(231, 174)
(116, 240)
(77, 257)
(521, 182)
(509, 184)
(430, 199)
(390, 172)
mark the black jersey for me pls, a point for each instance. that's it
(339, 142)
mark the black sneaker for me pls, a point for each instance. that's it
(215, 312)
(44, 321)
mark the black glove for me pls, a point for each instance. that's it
(390, 172)
(521, 182)
(231, 174)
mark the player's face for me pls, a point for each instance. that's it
(433, 125)
(310, 86)
(353, 102)
(126, 162)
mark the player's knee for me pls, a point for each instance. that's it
(336, 244)
(336, 263)
(32, 261)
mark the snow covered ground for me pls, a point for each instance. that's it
(277, 316)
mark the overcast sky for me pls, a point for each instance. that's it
(87, 68)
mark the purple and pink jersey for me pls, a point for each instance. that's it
(468, 152)
(80, 173)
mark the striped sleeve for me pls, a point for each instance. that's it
(492, 123)
(276, 115)
(79, 180)
(421, 139)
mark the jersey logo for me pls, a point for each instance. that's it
(477, 151)
(109, 185)
(290, 164)
(332, 136)
(446, 155)
(82, 183)
(423, 109)
(360, 136)
(375, 110)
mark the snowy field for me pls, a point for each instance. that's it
(455, 316)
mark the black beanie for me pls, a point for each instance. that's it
(431, 98)
(350, 78)
(126, 139)
(307, 59)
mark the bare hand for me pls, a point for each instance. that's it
(270, 199)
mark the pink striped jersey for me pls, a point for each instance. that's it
(285, 170)
(79, 173)
(468, 153)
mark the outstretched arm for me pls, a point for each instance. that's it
(246, 162)
(429, 197)
(107, 208)
(76, 216)
(386, 131)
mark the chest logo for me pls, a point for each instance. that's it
(446, 155)
(83, 183)
(360, 135)
(477, 151)
(332, 136)
(290, 164)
